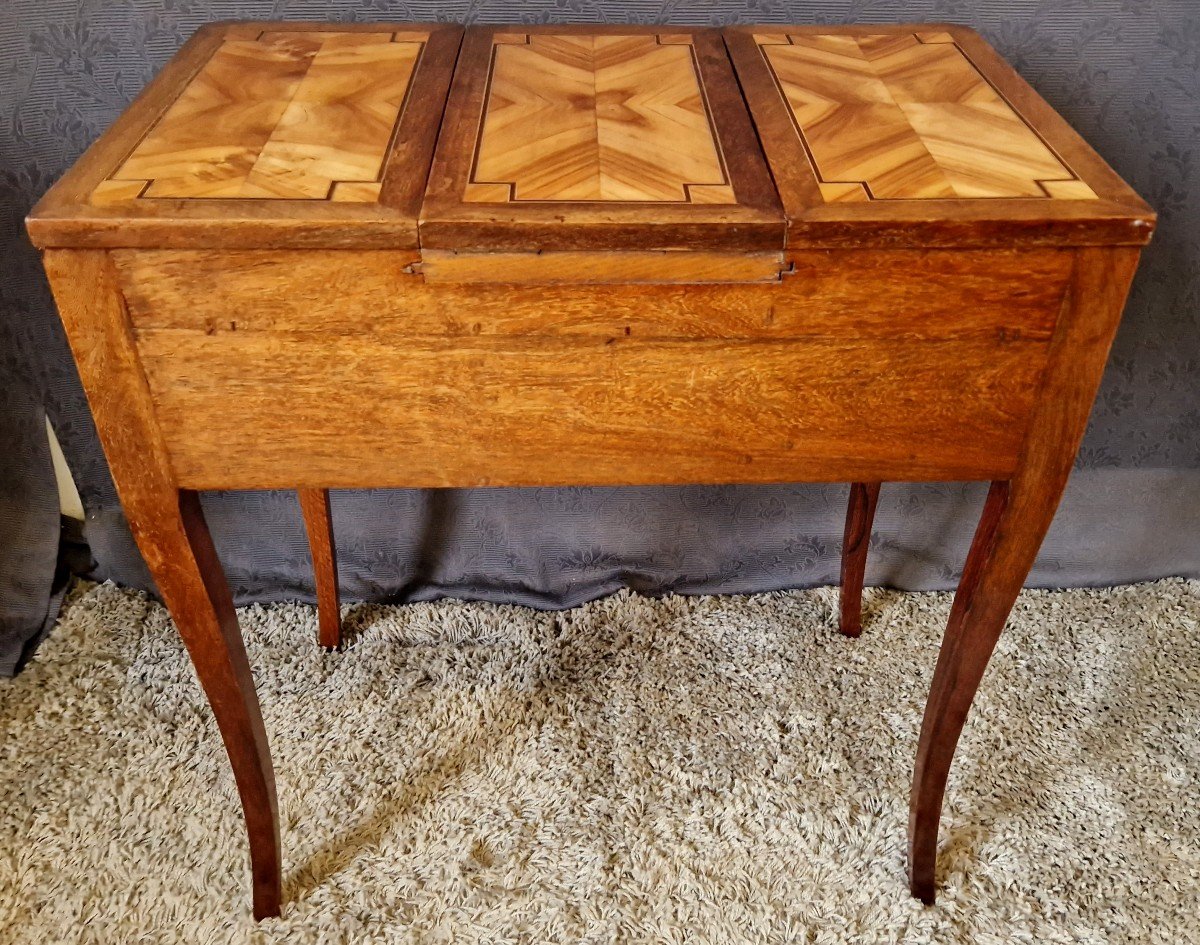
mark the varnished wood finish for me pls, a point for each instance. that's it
(318, 522)
(170, 531)
(1015, 521)
(936, 294)
(275, 131)
(905, 115)
(860, 513)
(286, 114)
(812, 378)
(960, 150)
(597, 137)
(661, 267)
(593, 281)
(256, 409)
(583, 117)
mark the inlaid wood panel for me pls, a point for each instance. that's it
(890, 116)
(597, 138)
(297, 115)
(921, 135)
(586, 117)
(266, 134)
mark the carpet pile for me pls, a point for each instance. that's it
(680, 770)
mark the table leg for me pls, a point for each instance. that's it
(314, 504)
(169, 527)
(971, 636)
(193, 584)
(1016, 518)
(860, 513)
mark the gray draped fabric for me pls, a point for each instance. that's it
(1124, 72)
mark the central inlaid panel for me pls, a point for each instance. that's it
(300, 115)
(596, 117)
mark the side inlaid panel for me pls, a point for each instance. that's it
(593, 117)
(285, 114)
(908, 116)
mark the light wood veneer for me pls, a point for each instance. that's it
(283, 115)
(619, 118)
(907, 116)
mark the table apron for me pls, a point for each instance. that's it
(278, 369)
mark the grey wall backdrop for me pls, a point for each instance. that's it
(1126, 73)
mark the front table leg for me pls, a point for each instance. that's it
(171, 534)
(1015, 520)
(192, 582)
(984, 597)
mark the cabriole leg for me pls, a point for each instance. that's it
(860, 513)
(171, 534)
(318, 521)
(1014, 523)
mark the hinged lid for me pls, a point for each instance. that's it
(597, 138)
(280, 134)
(921, 135)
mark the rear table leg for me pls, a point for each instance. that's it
(860, 513)
(314, 504)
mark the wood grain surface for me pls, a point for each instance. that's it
(174, 541)
(868, 254)
(933, 294)
(906, 115)
(264, 410)
(568, 267)
(266, 134)
(860, 514)
(597, 138)
(921, 135)
(282, 115)
(594, 117)
(318, 524)
(1014, 524)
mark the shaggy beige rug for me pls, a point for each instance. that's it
(685, 770)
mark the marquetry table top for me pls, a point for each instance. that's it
(749, 139)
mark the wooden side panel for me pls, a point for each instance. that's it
(861, 367)
(902, 293)
(264, 411)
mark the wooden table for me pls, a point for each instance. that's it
(362, 255)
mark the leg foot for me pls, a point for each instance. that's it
(860, 513)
